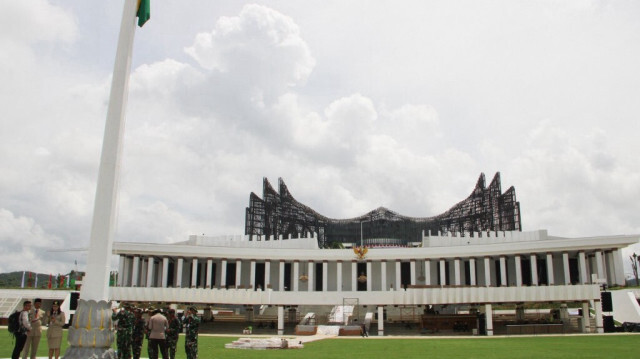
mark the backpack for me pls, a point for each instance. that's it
(14, 323)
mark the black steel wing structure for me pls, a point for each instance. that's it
(278, 213)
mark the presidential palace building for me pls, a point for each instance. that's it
(457, 270)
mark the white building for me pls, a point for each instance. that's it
(478, 270)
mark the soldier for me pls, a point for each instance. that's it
(138, 334)
(192, 323)
(172, 333)
(124, 328)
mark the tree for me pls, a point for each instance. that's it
(634, 266)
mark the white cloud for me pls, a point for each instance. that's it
(402, 105)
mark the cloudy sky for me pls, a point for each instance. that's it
(355, 104)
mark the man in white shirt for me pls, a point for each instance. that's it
(25, 327)
(157, 325)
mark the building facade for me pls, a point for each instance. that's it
(470, 269)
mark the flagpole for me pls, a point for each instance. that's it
(95, 286)
(94, 294)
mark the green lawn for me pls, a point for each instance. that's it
(591, 346)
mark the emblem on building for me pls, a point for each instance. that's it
(360, 252)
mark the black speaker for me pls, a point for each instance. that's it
(607, 305)
(73, 302)
(609, 326)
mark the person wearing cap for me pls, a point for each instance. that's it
(56, 320)
(192, 324)
(172, 333)
(33, 337)
(138, 333)
(124, 329)
(157, 325)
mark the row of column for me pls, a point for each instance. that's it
(488, 310)
(485, 271)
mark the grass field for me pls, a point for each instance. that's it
(588, 346)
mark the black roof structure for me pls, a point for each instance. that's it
(277, 213)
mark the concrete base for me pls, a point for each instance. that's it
(85, 353)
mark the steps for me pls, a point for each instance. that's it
(264, 343)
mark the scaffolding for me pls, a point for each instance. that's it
(278, 214)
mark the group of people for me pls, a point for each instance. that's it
(162, 329)
(32, 319)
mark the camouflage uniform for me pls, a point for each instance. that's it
(192, 322)
(172, 333)
(125, 328)
(138, 337)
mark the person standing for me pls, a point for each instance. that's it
(33, 338)
(157, 325)
(172, 333)
(25, 327)
(56, 320)
(124, 328)
(192, 323)
(138, 333)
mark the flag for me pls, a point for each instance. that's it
(36, 285)
(144, 11)
(22, 285)
(50, 277)
(29, 280)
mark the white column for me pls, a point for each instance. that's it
(194, 272)
(582, 264)
(238, 273)
(398, 284)
(456, 270)
(135, 271)
(150, 272)
(380, 320)
(325, 276)
(518, 271)
(179, 272)
(354, 276)
(312, 277)
(427, 272)
(550, 269)
(267, 274)
(565, 265)
(121, 260)
(143, 272)
(281, 320)
(586, 318)
(599, 265)
(281, 276)
(503, 271)
(223, 273)
(489, 319)
(369, 276)
(383, 275)
(597, 304)
(617, 260)
(252, 274)
(534, 269)
(339, 276)
(296, 275)
(209, 268)
(443, 274)
(472, 271)
(126, 278)
(412, 266)
(487, 271)
(165, 272)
